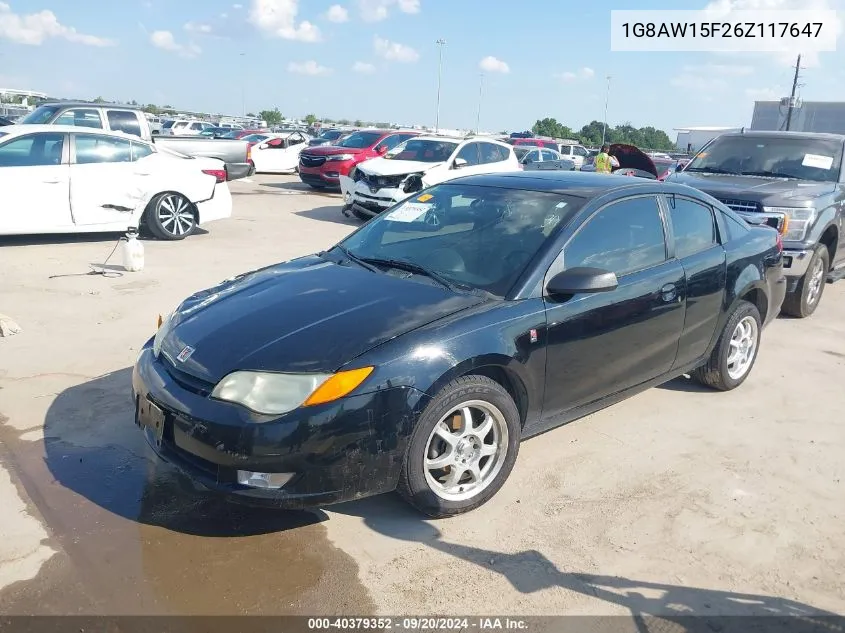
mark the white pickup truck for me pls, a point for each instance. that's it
(132, 120)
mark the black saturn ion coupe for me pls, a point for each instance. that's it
(417, 353)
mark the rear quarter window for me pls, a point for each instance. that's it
(735, 226)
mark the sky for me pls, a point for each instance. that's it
(377, 60)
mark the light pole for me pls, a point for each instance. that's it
(606, 101)
(480, 97)
(441, 43)
(243, 92)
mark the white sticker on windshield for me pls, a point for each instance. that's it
(817, 161)
(409, 212)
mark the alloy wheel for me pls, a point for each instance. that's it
(743, 347)
(815, 281)
(175, 214)
(466, 450)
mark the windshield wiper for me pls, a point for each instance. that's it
(711, 170)
(411, 267)
(768, 174)
(354, 258)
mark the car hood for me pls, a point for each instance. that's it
(391, 167)
(631, 157)
(754, 188)
(328, 150)
(307, 315)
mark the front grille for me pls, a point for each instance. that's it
(381, 182)
(740, 205)
(311, 161)
(370, 206)
(186, 380)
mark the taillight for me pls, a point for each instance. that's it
(779, 244)
(220, 174)
(249, 151)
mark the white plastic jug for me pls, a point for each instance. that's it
(133, 253)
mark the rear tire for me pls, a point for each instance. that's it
(806, 298)
(736, 351)
(171, 216)
(463, 448)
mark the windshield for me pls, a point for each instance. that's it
(41, 114)
(330, 135)
(453, 229)
(254, 137)
(816, 159)
(233, 134)
(422, 150)
(360, 140)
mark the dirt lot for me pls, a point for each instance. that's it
(679, 500)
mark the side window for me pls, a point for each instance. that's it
(693, 225)
(548, 155)
(736, 229)
(35, 150)
(123, 121)
(91, 148)
(392, 141)
(469, 153)
(80, 117)
(532, 157)
(492, 153)
(140, 150)
(196, 126)
(624, 237)
(579, 151)
(296, 139)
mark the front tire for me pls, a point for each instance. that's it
(736, 350)
(463, 448)
(806, 298)
(171, 216)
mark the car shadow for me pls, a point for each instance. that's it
(59, 238)
(93, 448)
(329, 214)
(686, 384)
(302, 188)
(650, 603)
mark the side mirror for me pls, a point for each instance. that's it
(381, 150)
(582, 280)
(276, 142)
(460, 162)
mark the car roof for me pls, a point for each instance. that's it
(18, 130)
(574, 183)
(90, 104)
(777, 134)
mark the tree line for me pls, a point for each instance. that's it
(591, 134)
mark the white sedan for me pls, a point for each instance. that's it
(279, 152)
(66, 179)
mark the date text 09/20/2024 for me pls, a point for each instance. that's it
(417, 624)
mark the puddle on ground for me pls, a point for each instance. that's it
(136, 538)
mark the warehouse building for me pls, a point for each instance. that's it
(807, 116)
(692, 139)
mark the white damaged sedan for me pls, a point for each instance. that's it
(68, 179)
(377, 184)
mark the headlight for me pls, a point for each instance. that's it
(799, 220)
(340, 157)
(275, 393)
(164, 328)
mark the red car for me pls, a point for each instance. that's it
(322, 167)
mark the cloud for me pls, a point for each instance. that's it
(278, 18)
(710, 78)
(721, 9)
(363, 67)
(308, 68)
(194, 27)
(33, 28)
(491, 64)
(166, 42)
(763, 94)
(582, 73)
(722, 70)
(393, 51)
(237, 6)
(377, 10)
(337, 13)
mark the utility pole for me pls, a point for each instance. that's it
(441, 43)
(243, 93)
(792, 96)
(606, 101)
(480, 97)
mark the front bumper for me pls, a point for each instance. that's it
(339, 451)
(236, 171)
(327, 174)
(372, 202)
(796, 262)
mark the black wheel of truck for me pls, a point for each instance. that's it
(736, 350)
(462, 449)
(171, 216)
(806, 298)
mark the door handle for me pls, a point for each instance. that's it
(669, 292)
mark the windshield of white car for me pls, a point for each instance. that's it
(41, 114)
(480, 238)
(422, 150)
(805, 158)
(360, 140)
(331, 135)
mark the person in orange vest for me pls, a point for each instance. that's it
(605, 163)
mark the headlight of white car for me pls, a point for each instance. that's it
(162, 332)
(340, 157)
(276, 393)
(799, 220)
